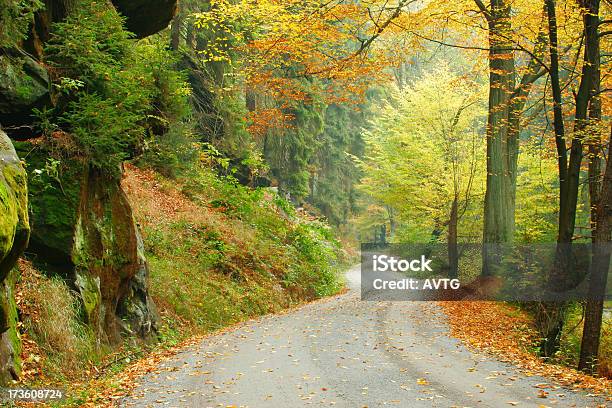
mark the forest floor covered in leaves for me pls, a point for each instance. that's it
(507, 332)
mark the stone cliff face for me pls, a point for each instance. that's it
(88, 235)
(110, 269)
(14, 234)
(24, 82)
(83, 230)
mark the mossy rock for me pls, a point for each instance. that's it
(14, 222)
(10, 343)
(54, 199)
(14, 233)
(24, 85)
(83, 229)
(146, 17)
(108, 261)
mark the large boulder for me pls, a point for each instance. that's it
(14, 234)
(55, 188)
(146, 17)
(14, 223)
(83, 229)
(24, 85)
(110, 270)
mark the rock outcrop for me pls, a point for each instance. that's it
(146, 17)
(24, 82)
(14, 234)
(82, 223)
(89, 237)
(24, 85)
(109, 267)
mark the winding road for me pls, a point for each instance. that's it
(344, 352)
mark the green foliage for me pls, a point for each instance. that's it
(246, 256)
(115, 94)
(334, 172)
(173, 153)
(15, 18)
(290, 154)
(423, 150)
(537, 192)
(54, 191)
(223, 192)
(170, 89)
(317, 256)
(89, 43)
(105, 133)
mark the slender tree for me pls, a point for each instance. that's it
(589, 349)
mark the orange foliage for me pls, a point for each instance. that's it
(507, 332)
(292, 50)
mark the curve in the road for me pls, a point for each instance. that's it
(344, 352)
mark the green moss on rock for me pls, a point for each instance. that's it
(54, 200)
(10, 343)
(24, 85)
(14, 233)
(14, 223)
(82, 223)
(89, 288)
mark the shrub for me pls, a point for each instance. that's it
(15, 17)
(114, 94)
(89, 43)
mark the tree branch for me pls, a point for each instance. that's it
(483, 9)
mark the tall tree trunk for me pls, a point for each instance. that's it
(600, 194)
(453, 251)
(506, 104)
(599, 275)
(498, 214)
(551, 314)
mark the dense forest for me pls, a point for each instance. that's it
(169, 168)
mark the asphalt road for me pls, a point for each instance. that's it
(344, 352)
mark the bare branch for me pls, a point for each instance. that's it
(483, 9)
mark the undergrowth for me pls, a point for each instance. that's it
(226, 252)
(569, 351)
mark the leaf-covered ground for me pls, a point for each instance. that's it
(507, 332)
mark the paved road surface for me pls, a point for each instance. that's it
(343, 352)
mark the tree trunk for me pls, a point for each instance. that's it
(498, 213)
(589, 349)
(392, 222)
(453, 252)
(175, 34)
(551, 315)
